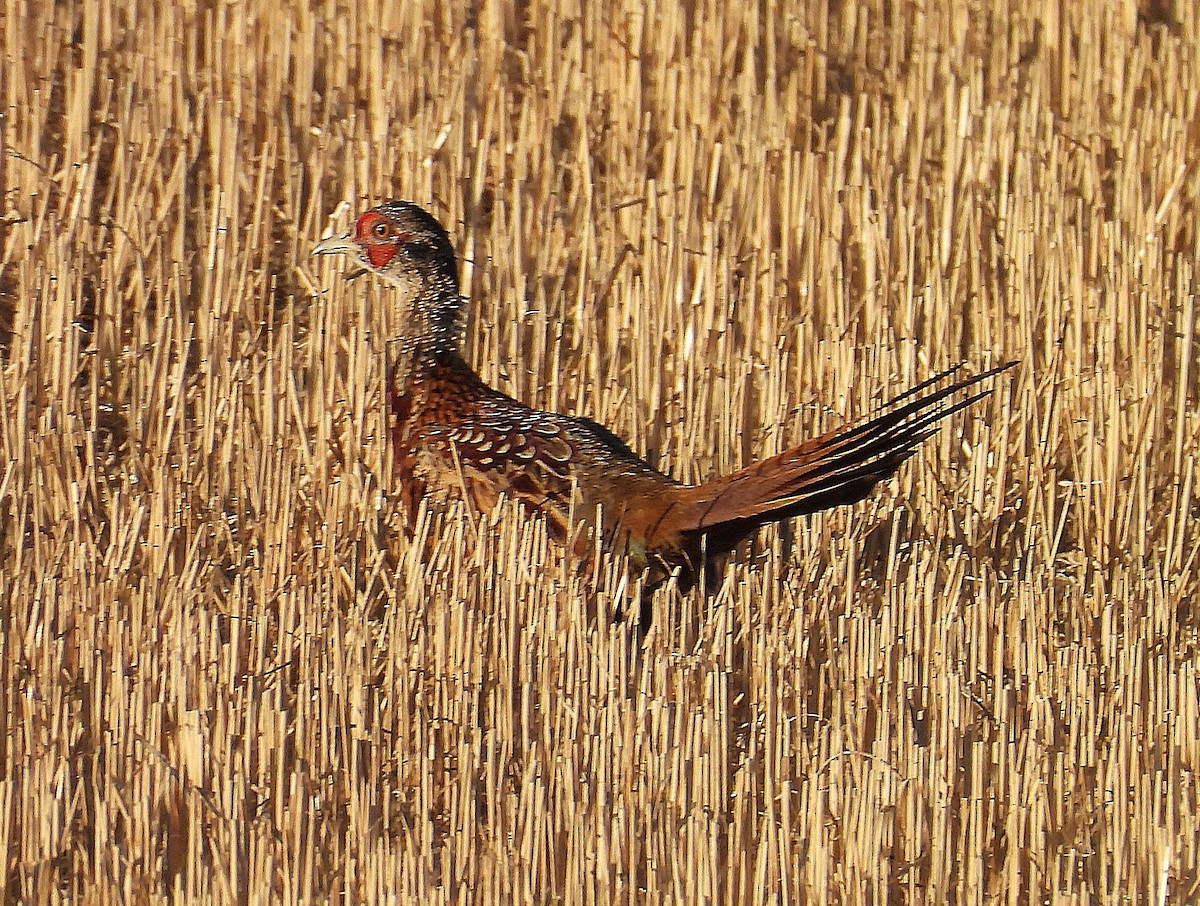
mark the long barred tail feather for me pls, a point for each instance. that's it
(839, 467)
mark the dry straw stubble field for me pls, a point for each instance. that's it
(228, 676)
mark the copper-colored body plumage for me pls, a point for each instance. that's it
(452, 432)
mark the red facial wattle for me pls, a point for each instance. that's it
(378, 237)
(380, 255)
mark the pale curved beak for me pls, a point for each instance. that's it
(336, 245)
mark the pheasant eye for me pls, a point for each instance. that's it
(381, 230)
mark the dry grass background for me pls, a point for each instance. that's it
(227, 677)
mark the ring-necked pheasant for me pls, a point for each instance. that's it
(450, 431)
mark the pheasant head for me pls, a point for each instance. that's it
(407, 248)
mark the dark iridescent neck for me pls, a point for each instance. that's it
(433, 325)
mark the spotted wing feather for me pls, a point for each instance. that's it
(520, 454)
